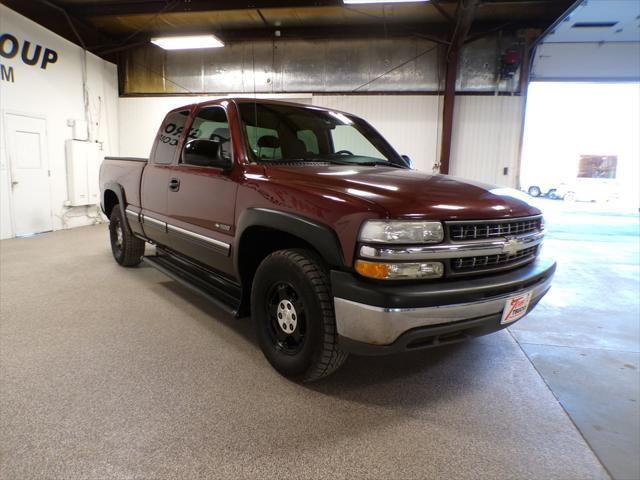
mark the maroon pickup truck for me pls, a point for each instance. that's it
(307, 219)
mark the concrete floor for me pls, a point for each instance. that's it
(108, 372)
(584, 338)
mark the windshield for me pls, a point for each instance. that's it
(281, 133)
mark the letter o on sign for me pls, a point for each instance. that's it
(8, 45)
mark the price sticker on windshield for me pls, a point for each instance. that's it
(515, 308)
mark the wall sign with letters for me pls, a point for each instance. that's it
(29, 53)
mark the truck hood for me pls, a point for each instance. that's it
(407, 193)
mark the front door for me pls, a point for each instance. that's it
(201, 200)
(29, 174)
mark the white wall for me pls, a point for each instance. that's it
(486, 139)
(56, 93)
(486, 132)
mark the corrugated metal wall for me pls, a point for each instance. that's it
(340, 65)
(486, 139)
(411, 123)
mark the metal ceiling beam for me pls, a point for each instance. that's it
(436, 4)
(98, 9)
(155, 6)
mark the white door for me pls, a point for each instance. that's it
(29, 174)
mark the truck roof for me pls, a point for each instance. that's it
(243, 99)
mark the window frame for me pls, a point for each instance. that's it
(185, 139)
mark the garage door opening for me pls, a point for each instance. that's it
(581, 143)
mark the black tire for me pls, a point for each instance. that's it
(553, 194)
(294, 283)
(126, 248)
(534, 191)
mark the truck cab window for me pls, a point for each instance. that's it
(169, 136)
(310, 140)
(290, 133)
(211, 123)
(264, 143)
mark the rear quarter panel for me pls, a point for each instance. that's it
(126, 173)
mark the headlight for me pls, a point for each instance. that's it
(400, 231)
(399, 271)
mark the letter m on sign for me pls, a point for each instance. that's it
(6, 73)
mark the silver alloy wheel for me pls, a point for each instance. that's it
(287, 316)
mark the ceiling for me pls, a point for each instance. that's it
(596, 41)
(597, 21)
(108, 26)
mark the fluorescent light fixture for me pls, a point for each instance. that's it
(361, 2)
(188, 42)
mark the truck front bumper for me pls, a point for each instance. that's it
(374, 318)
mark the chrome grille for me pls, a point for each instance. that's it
(484, 262)
(489, 230)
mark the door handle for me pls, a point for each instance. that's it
(14, 183)
(174, 184)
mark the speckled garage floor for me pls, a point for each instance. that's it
(108, 372)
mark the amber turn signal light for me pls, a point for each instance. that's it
(399, 271)
(372, 269)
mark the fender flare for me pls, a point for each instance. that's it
(322, 237)
(119, 191)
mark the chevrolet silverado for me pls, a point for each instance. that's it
(307, 220)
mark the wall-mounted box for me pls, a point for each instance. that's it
(79, 129)
(83, 165)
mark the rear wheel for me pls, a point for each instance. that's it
(126, 248)
(534, 191)
(293, 312)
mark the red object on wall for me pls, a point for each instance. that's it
(510, 62)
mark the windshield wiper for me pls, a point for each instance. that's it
(381, 163)
(336, 161)
(372, 163)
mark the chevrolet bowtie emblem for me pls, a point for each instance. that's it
(511, 246)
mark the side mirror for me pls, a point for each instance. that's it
(205, 153)
(407, 160)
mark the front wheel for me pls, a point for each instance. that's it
(293, 313)
(126, 248)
